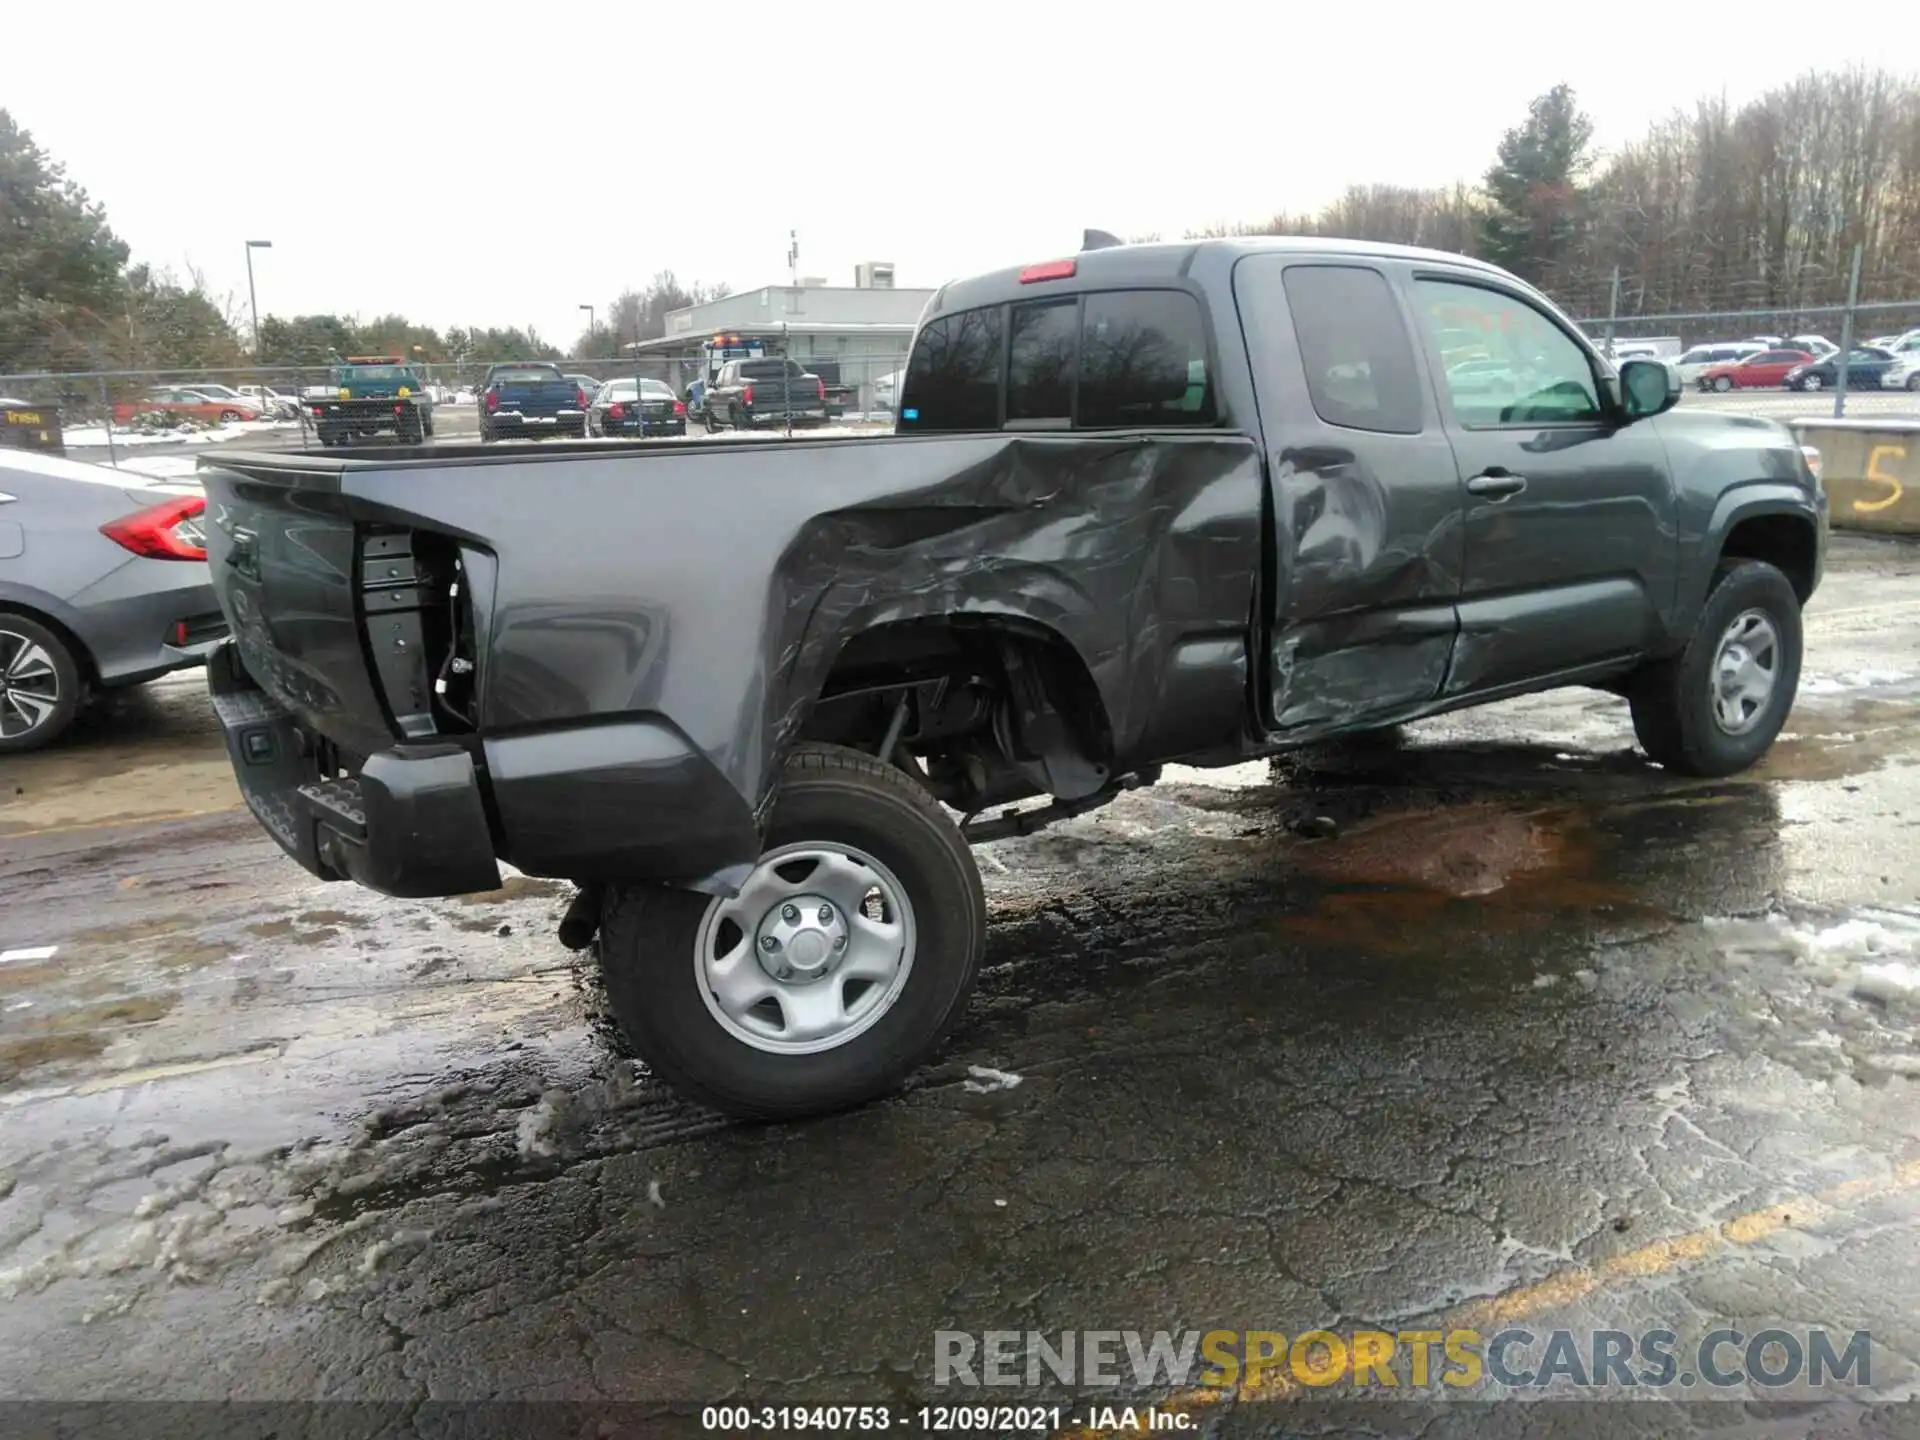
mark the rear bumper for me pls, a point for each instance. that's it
(412, 823)
(630, 799)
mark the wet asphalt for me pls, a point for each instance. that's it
(1487, 1022)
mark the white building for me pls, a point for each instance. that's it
(850, 333)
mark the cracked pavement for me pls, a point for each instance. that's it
(1489, 1021)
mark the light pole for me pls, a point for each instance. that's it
(253, 302)
(589, 310)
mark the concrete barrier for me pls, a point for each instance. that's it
(1872, 472)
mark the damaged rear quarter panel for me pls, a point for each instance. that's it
(714, 587)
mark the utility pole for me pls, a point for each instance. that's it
(793, 256)
(589, 310)
(1613, 309)
(253, 302)
(1846, 338)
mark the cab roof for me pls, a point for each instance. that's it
(1119, 266)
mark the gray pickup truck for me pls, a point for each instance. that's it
(1193, 502)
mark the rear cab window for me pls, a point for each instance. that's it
(1099, 359)
(527, 375)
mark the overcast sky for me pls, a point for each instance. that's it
(472, 163)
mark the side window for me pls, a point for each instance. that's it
(1359, 361)
(1541, 376)
(1143, 361)
(953, 376)
(1042, 339)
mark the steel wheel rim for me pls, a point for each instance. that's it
(841, 926)
(1746, 671)
(29, 685)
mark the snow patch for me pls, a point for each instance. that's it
(1851, 680)
(1894, 984)
(30, 952)
(985, 1080)
(1874, 956)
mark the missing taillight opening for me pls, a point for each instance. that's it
(170, 530)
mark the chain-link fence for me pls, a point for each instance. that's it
(105, 414)
(1783, 362)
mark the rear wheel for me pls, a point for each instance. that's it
(845, 959)
(1723, 384)
(39, 683)
(1715, 708)
(1811, 382)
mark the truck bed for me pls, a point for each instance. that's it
(619, 645)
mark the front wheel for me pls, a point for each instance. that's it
(1913, 381)
(847, 956)
(1715, 708)
(1811, 382)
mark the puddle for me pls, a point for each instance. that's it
(1466, 851)
(76, 1034)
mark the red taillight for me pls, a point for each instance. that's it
(746, 396)
(493, 399)
(318, 411)
(616, 411)
(580, 397)
(399, 409)
(157, 531)
(679, 408)
(823, 391)
(1047, 270)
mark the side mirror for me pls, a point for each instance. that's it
(1648, 387)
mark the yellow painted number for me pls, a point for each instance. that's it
(1894, 488)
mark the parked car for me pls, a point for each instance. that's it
(588, 385)
(1762, 371)
(1817, 346)
(750, 393)
(179, 400)
(1904, 373)
(532, 399)
(886, 390)
(1866, 364)
(758, 701)
(104, 586)
(653, 410)
(1701, 358)
(270, 400)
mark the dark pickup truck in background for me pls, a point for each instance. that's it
(750, 393)
(1194, 502)
(840, 395)
(533, 399)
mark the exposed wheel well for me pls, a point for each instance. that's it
(983, 709)
(82, 657)
(1785, 542)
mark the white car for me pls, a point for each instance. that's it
(281, 407)
(1818, 346)
(886, 390)
(1701, 358)
(1904, 373)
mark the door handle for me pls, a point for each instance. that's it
(1494, 483)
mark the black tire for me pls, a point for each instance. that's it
(1913, 381)
(229, 417)
(1723, 384)
(68, 679)
(828, 794)
(1671, 700)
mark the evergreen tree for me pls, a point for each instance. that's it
(1534, 188)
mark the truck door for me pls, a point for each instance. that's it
(1366, 496)
(1570, 540)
